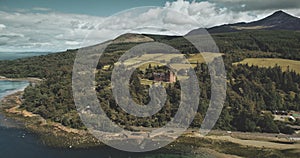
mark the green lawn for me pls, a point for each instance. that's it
(271, 62)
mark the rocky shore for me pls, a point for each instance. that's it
(51, 133)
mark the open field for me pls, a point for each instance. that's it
(203, 57)
(154, 59)
(271, 62)
(158, 59)
(145, 66)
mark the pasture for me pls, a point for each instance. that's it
(271, 62)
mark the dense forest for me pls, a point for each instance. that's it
(283, 44)
(251, 91)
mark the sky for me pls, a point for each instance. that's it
(57, 25)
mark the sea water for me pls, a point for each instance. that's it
(18, 55)
(9, 87)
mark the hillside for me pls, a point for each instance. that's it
(285, 64)
(132, 38)
(277, 21)
(248, 92)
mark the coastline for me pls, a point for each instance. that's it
(51, 134)
(56, 135)
(29, 79)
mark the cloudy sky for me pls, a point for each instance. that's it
(57, 25)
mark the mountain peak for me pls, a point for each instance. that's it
(281, 14)
(279, 20)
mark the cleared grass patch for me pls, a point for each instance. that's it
(151, 82)
(145, 66)
(157, 59)
(271, 62)
(209, 57)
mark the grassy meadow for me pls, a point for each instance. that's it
(158, 59)
(285, 64)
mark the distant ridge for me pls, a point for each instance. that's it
(279, 20)
(132, 38)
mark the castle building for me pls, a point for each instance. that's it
(168, 76)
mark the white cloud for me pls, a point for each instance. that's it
(2, 26)
(41, 9)
(52, 31)
(209, 14)
(74, 43)
(243, 5)
(44, 31)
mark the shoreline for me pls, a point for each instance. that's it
(58, 136)
(29, 79)
(50, 133)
